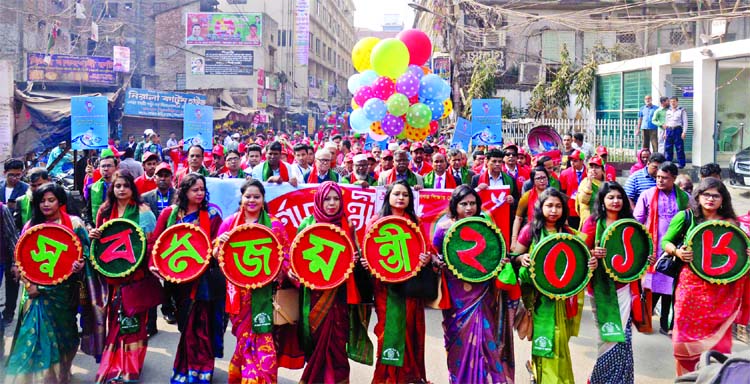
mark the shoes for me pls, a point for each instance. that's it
(151, 333)
(170, 319)
(665, 332)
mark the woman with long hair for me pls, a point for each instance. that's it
(391, 304)
(525, 212)
(609, 298)
(550, 217)
(589, 188)
(477, 311)
(255, 357)
(200, 303)
(704, 312)
(124, 353)
(46, 337)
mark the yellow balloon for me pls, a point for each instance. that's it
(354, 104)
(377, 128)
(447, 108)
(361, 53)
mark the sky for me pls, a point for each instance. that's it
(370, 13)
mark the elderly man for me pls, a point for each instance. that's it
(321, 171)
(401, 172)
(439, 178)
(361, 175)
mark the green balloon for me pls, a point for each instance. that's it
(390, 58)
(397, 104)
(419, 115)
(402, 135)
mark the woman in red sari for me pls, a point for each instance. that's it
(399, 201)
(200, 303)
(124, 354)
(255, 357)
(704, 312)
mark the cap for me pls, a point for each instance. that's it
(578, 155)
(107, 152)
(218, 150)
(386, 153)
(148, 132)
(416, 146)
(147, 155)
(236, 135)
(369, 156)
(163, 167)
(358, 158)
(511, 145)
(601, 150)
(596, 160)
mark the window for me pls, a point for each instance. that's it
(626, 38)
(552, 43)
(317, 46)
(677, 38)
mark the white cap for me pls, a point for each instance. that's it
(235, 135)
(148, 132)
(360, 157)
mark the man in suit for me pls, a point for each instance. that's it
(460, 172)
(401, 171)
(439, 178)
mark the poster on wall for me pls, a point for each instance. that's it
(487, 122)
(121, 57)
(224, 62)
(441, 66)
(89, 126)
(198, 126)
(302, 32)
(230, 29)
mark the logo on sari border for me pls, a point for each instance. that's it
(391, 354)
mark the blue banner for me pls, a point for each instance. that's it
(89, 125)
(487, 122)
(198, 126)
(462, 134)
(158, 104)
(370, 142)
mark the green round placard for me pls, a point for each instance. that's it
(474, 249)
(719, 251)
(628, 245)
(120, 249)
(559, 266)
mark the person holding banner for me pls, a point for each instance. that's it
(611, 301)
(321, 171)
(200, 303)
(555, 321)
(474, 313)
(46, 338)
(399, 201)
(124, 353)
(704, 312)
(254, 358)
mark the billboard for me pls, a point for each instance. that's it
(71, 69)
(230, 29)
(225, 62)
(302, 32)
(487, 122)
(158, 104)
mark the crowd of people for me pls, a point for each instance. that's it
(155, 187)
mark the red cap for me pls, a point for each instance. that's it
(218, 150)
(601, 150)
(386, 153)
(370, 155)
(596, 160)
(416, 146)
(147, 155)
(163, 167)
(578, 155)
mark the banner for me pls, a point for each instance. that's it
(158, 104)
(198, 126)
(121, 56)
(487, 122)
(232, 29)
(72, 69)
(462, 134)
(292, 205)
(302, 32)
(223, 63)
(369, 142)
(89, 124)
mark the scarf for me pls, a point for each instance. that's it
(608, 317)
(98, 195)
(320, 195)
(411, 178)
(653, 216)
(449, 182)
(65, 220)
(131, 213)
(268, 172)
(312, 176)
(484, 178)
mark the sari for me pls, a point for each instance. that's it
(123, 355)
(478, 312)
(703, 312)
(46, 337)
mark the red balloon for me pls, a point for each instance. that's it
(433, 127)
(418, 44)
(414, 99)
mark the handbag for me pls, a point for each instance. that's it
(422, 286)
(672, 265)
(365, 285)
(128, 324)
(524, 323)
(142, 295)
(641, 309)
(286, 306)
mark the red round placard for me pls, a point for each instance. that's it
(252, 256)
(45, 253)
(322, 256)
(181, 253)
(392, 246)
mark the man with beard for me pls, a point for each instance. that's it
(195, 164)
(438, 178)
(274, 170)
(401, 172)
(361, 176)
(418, 165)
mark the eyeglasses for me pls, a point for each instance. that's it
(324, 160)
(711, 196)
(106, 165)
(13, 175)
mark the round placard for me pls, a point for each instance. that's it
(474, 249)
(559, 266)
(45, 253)
(322, 256)
(392, 246)
(181, 253)
(120, 250)
(252, 256)
(543, 139)
(719, 251)
(628, 245)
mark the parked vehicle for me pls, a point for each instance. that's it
(739, 169)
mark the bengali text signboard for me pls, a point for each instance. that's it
(70, 69)
(163, 105)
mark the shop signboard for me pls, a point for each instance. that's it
(158, 104)
(71, 69)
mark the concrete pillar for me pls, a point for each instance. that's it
(704, 110)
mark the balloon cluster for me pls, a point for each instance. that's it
(394, 93)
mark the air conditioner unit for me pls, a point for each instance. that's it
(530, 73)
(494, 39)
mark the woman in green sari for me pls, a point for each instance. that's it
(46, 338)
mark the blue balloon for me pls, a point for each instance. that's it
(375, 109)
(416, 71)
(354, 83)
(445, 91)
(430, 87)
(359, 122)
(436, 107)
(367, 77)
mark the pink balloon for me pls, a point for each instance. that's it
(363, 94)
(408, 84)
(392, 125)
(383, 88)
(418, 44)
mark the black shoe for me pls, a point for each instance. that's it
(170, 319)
(152, 333)
(665, 332)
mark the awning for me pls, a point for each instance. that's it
(242, 114)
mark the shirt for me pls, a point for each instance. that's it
(660, 117)
(647, 113)
(676, 118)
(638, 183)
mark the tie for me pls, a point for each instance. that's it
(578, 175)
(438, 185)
